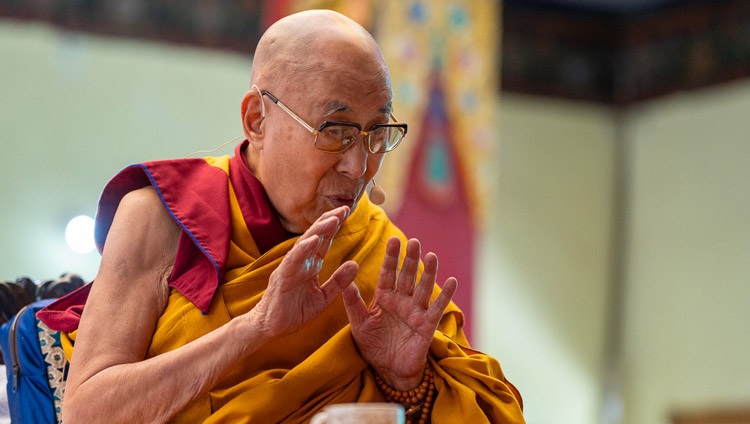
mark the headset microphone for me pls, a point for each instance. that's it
(377, 194)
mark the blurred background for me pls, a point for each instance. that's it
(580, 165)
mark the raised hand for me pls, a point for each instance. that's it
(294, 294)
(394, 332)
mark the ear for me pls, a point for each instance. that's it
(253, 121)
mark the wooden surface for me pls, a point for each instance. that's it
(734, 415)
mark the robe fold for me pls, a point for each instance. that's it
(221, 272)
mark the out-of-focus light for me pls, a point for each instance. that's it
(79, 234)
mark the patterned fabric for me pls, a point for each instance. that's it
(57, 364)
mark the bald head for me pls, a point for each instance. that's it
(314, 44)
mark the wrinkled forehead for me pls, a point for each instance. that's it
(335, 105)
(360, 90)
(336, 79)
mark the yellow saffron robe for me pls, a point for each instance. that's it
(290, 379)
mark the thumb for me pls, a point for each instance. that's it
(341, 278)
(356, 310)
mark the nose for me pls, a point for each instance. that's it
(353, 161)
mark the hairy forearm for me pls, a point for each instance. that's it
(154, 390)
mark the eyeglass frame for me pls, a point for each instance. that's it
(325, 124)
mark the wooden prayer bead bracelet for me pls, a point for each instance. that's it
(418, 401)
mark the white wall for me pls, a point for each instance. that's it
(545, 264)
(685, 253)
(687, 337)
(76, 109)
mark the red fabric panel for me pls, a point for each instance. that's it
(65, 313)
(435, 208)
(195, 194)
(260, 218)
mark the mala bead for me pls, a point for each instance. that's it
(418, 401)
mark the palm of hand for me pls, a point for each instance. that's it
(294, 295)
(394, 332)
(291, 302)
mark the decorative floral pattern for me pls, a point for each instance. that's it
(57, 364)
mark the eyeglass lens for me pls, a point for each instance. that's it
(335, 138)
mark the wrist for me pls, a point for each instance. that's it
(403, 384)
(418, 400)
(251, 327)
(400, 383)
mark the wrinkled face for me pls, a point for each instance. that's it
(303, 182)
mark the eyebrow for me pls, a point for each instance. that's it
(335, 106)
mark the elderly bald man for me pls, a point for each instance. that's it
(264, 286)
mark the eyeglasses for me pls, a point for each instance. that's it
(336, 136)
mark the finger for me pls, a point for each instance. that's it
(355, 307)
(323, 232)
(322, 227)
(326, 239)
(340, 279)
(424, 289)
(300, 259)
(408, 275)
(389, 269)
(342, 212)
(326, 224)
(328, 231)
(437, 308)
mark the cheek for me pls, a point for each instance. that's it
(299, 177)
(286, 158)
(373, 164)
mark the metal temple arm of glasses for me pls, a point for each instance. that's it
(287, 110)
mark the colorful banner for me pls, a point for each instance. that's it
(444, 67)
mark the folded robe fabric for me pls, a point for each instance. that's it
(222, 271)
